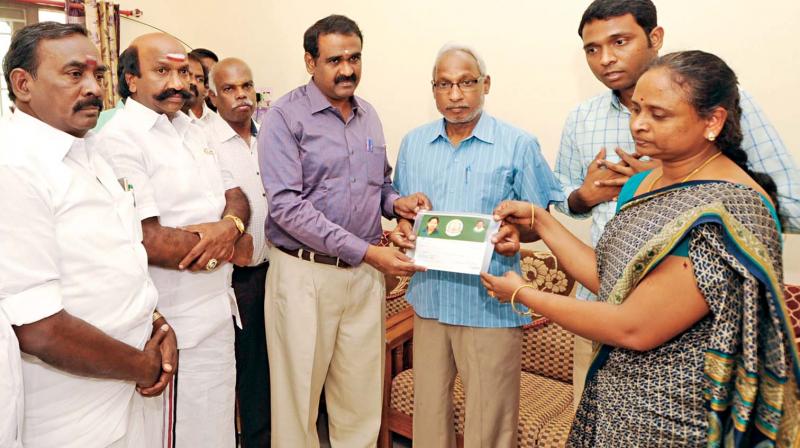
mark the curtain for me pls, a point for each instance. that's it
(101, 19)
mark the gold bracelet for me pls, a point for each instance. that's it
(530, 226)
(156, 316)
(237, 222)
(514, 296)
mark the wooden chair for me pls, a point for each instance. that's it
(399, 326)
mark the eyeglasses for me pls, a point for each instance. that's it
(466, 85)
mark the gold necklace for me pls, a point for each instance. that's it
(694, 171)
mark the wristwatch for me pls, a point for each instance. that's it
(237, 221)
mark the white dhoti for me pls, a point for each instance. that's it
(197, 409)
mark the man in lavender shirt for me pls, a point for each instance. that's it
(323, 162)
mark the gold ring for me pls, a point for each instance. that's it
(212, 263)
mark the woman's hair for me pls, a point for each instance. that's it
(710, 83)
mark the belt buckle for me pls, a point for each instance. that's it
(310, 255)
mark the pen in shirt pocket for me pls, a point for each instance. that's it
(466, 175)
(127, 187)
(369, 145)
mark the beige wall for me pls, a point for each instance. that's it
(531, 48)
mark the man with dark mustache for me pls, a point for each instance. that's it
(74, 281)
(195, 107)
(208, 58)
(193, 217)
(323, 163)
(233, 136)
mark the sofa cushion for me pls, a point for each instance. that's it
(547, 351)
(556, 432)
(541, 400)
(402, 398)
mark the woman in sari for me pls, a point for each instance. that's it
(693, 339)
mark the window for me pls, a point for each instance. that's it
(14, 16)
(52, 15)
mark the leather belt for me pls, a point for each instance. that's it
(305, 254)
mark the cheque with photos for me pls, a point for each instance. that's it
(454, 242)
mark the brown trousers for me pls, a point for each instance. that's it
(488, 360)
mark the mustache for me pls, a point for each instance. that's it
(193, 88)
(339, 79)
(244, 103)
(185, 94)
(85, 104)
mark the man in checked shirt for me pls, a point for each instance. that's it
(232, 90)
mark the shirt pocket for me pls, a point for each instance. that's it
(124, 203)
(376, 164)
(214, 187)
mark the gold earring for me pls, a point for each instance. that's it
(711, 137)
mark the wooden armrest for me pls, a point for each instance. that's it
(400, 332)
(399, 317)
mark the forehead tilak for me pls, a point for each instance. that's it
(175, 57)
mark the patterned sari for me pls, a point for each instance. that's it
(731, 379)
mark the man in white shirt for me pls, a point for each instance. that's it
(195, 107)
(233, 136)
(208, 58)
(193, 217)
(73, 278)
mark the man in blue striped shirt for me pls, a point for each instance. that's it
(468, 162)
(620, 38)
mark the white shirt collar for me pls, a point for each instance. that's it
(147, 118)
(47, 141)
(205, 115)
(223, 131)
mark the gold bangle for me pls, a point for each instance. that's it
(530, 226)
(156, 316)
(514, 296)
(237, 222)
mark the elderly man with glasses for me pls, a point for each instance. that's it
(468, 162)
